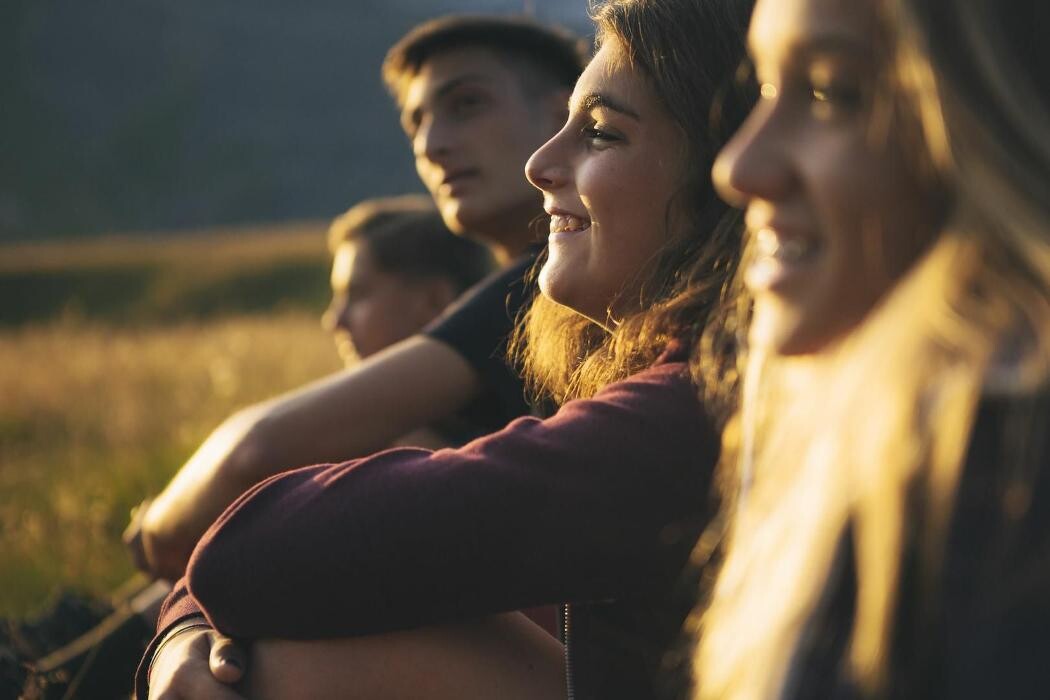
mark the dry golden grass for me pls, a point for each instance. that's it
(93, 419)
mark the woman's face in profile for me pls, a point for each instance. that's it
(607, 178)
(834, 207)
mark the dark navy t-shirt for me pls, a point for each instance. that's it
(477, 326)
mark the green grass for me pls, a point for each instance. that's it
(102, 398)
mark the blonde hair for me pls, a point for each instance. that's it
(867, 440)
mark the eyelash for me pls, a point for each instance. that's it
(846, 97)
(465, 104)
(840, 97)
(598, 136)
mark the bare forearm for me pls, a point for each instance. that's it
(363, 410)
(352, 413)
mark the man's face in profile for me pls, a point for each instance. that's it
(472, 127)
(373, 308)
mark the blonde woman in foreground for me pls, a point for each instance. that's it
(890, 535)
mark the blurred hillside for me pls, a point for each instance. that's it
(144, 116)
(149, 281)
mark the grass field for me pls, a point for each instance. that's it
(100, 404)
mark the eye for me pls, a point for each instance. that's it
(834, 95)
(833, 91)
(598, 136)
(466, 104)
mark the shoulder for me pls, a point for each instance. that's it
(655, 401)
(497, 296)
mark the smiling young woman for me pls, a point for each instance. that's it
(891, 487)
(626, 183)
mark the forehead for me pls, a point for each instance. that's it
(781, 27)
(343, 263)
(450, 67)
(610, 75)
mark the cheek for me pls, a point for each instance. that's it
(874, 207)
(632, 212)
(839, 181)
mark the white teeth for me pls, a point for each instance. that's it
(766, 243)
(567, 222)
(769, 245)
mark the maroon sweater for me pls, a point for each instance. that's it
(599, 503)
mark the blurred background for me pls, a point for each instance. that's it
(167, 172)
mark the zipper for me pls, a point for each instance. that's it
(570, 690)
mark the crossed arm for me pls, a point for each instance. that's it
(351, 413)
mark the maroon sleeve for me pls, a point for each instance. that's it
(582, 506)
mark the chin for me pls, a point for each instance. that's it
(777, 332)
(547, 281)
(577, 303)
(452, 216)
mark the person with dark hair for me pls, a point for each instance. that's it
(473, 111)
(368, 578)
(395, 268)
(474, 93)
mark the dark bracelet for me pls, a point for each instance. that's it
(193, 623)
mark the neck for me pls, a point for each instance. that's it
(512, 234)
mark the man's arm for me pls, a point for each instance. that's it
(348, 414)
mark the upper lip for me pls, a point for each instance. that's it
(782, 227)
(555, 211)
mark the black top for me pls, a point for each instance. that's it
(979, 625)
(477, 326)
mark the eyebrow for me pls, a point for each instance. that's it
(412, 118)
(597, 100)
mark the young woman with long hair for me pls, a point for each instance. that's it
(890, 527)
(595, 505)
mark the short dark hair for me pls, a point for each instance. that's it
(406, 236)
(555, 55)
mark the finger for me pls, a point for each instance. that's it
(132, 537)
(227, 660)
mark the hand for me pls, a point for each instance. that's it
(132, 537)
(164, 531)
(200, 664)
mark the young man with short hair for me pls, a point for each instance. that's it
(395, 268)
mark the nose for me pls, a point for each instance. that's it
(756, 162)
(434, 138)
(549, 168)
(334, 317)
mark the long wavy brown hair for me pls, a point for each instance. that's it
(690, 51)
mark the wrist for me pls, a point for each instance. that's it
(190, 624)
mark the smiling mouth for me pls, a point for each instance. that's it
(770, 245)
(780, 261)
(568, 223)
